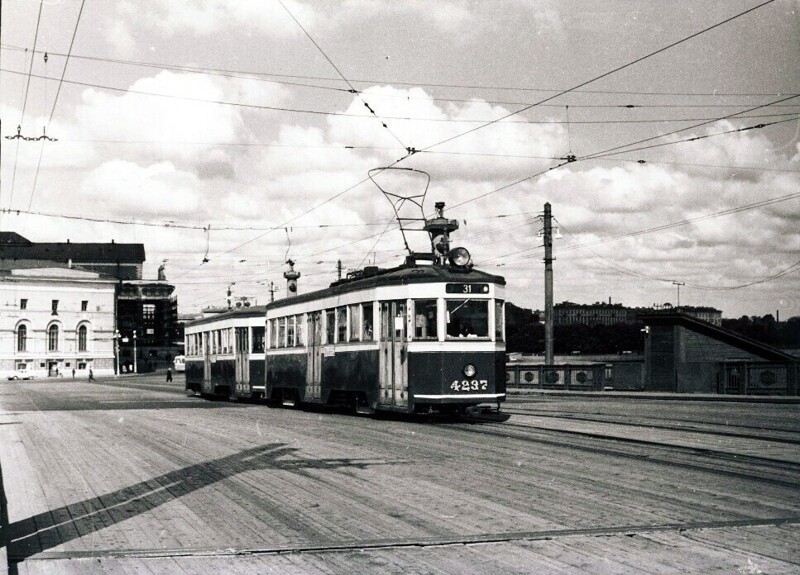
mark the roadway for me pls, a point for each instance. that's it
(130, 475)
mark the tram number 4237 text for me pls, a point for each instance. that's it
(472, 385)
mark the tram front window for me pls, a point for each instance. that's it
(425, 319)
(467, 318)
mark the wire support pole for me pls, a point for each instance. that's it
(679, 284)
(548, 285)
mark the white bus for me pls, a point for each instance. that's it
(180, 363)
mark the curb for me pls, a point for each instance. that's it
(521, 392)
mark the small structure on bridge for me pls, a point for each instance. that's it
(686, 354)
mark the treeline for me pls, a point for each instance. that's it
(525, 334)
(784, 334)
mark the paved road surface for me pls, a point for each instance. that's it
(131, 476)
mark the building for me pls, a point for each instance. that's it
(54, 320)
(121, 261)
(148, 334)
(685, 354)
(147, 314)
(601, 313)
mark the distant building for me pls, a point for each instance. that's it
(601, 313)
(146, 307)
(55, 319)
(147, 311)
(569, 313)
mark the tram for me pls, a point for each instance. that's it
(224, 354)
(416, 338)
(426, 336)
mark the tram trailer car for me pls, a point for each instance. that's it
(225, 354)
(416, 338)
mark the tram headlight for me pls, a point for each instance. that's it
(469, 370)
(460, 257)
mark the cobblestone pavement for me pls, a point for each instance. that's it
(132, 476)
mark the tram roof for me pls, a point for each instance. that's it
(239, 312)
(402, 275)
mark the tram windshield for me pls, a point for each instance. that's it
(467, 318)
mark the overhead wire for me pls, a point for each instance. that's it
(605, 74)
(338, 71)
(55, 102)
(573, 88)
(247, 74)
(25, 104)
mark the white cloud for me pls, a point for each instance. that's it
(183, 120)
(156, 190)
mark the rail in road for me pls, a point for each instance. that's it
(130, 475)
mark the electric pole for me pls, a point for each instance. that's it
(548, 285)
(679, 284)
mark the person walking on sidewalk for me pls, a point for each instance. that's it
(91, 374)
(169, 374)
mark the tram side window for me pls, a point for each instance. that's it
(258, 339)
(282, 332)
(341, 324)
(299, 331)
(366, 311)
(499, 320)
(330, 325)
(290, 325)
(355, 322)
(467, 318)
(273, 333)
(425, 319)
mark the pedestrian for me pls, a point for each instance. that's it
(73, 373)
(91, 374)
(169, 374)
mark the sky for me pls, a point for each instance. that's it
(229, 136)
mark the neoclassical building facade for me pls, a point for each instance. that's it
(55, 320)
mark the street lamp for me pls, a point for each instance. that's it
(134, 352)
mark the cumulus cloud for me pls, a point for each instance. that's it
(158, 189)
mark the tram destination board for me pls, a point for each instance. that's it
(467, 288)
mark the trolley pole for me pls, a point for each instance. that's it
(548, 285)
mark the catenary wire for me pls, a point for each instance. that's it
(55, 103)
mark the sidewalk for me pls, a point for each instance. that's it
(654, 395)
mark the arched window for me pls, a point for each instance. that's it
(52, 338)
(22, 338)
(82, 338)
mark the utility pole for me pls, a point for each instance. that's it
(679, 284)
(271, 292)
(229, 298)
(135, 360)
(548, 285)
(116, 349)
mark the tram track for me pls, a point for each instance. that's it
(421, 542)
(689, 428)
(752, 468)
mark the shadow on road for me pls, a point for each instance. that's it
(47, 530)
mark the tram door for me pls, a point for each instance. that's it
(207, 386)
(393, 350)
(314, 366)
(241, 360)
